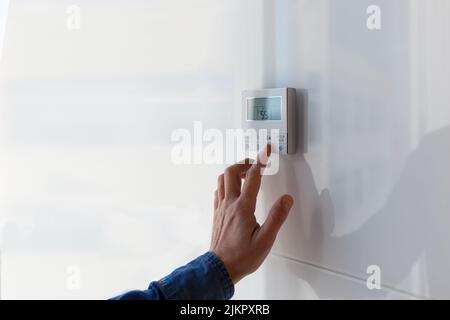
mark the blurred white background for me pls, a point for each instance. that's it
(85, 125)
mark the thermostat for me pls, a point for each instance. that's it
(269, 111)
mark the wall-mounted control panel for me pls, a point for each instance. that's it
(271, 113)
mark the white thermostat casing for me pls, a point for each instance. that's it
(268, 109)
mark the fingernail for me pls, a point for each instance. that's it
(288, 202)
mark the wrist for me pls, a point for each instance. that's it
(229, 266)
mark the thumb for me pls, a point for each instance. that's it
(277, 215)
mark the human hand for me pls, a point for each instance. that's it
(237, 239)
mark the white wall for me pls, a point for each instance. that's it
(86, 117)
(372, 190)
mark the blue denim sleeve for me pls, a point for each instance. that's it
(204, 278)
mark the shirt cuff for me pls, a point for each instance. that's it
(222, 272)
(205, 278)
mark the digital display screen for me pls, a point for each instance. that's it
(267, 108)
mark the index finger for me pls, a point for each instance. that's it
(252, 182)
(232, 178)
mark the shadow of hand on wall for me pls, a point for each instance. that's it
(410, 232)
